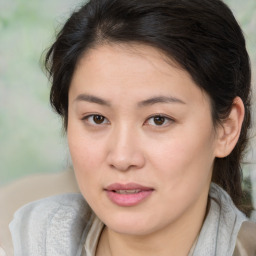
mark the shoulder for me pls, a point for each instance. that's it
(49, 210)
(234, 224)
(48, 205)
(56, 223)
(246, 240)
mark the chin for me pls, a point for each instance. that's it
(132, 225)
(131, 230)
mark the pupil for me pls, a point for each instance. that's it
(159, 120)
(98, 119)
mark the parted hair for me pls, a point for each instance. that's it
(202, 36)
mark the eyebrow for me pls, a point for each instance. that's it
(160, 99)
(92, 99)
(144, 103)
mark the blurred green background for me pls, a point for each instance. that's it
(31, 139)
(30, 133)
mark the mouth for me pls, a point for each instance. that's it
(130, 194)
(127, 192)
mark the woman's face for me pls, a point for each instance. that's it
(141, 139)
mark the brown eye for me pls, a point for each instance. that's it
(95, 120)
(98, 119)
(159, 120)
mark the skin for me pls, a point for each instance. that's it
(174, 158)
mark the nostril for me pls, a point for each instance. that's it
(125, 157)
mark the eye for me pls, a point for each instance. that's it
(159, 120)
(96, 119)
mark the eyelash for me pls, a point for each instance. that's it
(166, 120)
(87, 119)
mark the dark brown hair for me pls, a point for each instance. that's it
(201, 35)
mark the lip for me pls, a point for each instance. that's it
(131, 199)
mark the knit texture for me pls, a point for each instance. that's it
(59, 225)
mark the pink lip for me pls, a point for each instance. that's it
(128, 199)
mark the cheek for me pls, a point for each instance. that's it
(183, 170)
(184, 159)
(86, 158)
(83, 149)
(182, 152)
(86, 164)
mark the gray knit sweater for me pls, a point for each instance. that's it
(58, 226)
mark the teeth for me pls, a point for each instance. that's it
(133, 191)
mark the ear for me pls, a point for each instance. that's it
(229, 130)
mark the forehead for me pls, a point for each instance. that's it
(132, 69)
(126, 54)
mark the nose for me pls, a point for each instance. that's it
(124, 151)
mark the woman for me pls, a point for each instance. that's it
(155, 98)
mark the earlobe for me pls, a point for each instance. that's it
(229, 129)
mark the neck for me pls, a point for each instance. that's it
(175, 239)
(149, 245)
